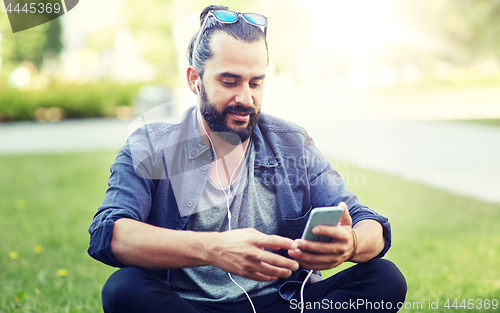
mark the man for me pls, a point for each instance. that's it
(205, 215)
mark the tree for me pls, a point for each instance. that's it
(468, 26)
(32, 44)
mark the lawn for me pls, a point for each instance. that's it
(47, 205)
(448, 246)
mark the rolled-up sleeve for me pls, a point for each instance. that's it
(129, 195)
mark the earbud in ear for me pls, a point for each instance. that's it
(197, 85)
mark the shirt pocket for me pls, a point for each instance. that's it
(293, 227)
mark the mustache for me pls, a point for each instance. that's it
(238, 108)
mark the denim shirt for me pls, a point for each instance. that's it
(159, 174)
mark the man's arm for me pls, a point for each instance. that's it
(366, 243)
(239, 251)
(370, 241)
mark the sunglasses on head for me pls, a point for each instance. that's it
(228, 17)
(232, 17)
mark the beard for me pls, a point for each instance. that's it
(216, 120)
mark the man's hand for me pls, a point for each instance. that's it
(241, 252)
(326, 255)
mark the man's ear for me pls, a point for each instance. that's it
(193, 79)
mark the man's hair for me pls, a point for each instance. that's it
(240, 30)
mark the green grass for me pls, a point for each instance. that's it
(447, 246)
(49, 200)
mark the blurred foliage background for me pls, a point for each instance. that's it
(93, 61)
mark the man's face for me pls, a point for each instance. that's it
(233, 84)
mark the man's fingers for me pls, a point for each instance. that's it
(316, 261)
(245, 253)
(268, 266)
(337, 233)
(305, 256)
(274, 242)
(338, 246)
(273, 271)
(278, 264)
(345, 219)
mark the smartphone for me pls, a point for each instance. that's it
(321, 216)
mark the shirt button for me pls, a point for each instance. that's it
(190, 203)
(204, 167)
(209, 153)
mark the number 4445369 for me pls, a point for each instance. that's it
(472, 304)
(34, 8)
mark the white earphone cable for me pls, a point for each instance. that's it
(227, 202)
(302, 291)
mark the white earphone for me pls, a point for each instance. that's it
(197, 85)
(227, 194)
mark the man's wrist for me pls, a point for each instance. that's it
(354, 246)
(209, 240)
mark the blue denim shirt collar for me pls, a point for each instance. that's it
(195, 147)
(264, 155)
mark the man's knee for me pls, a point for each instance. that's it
(125, 287)
(134, 289)
(391, 272)
(388, 277)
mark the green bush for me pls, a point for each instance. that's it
(75, 101)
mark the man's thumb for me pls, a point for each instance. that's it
(345, 219)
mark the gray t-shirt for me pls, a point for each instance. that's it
(252, 205)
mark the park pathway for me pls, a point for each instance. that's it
(460, 157)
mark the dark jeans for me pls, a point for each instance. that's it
(374, 286)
